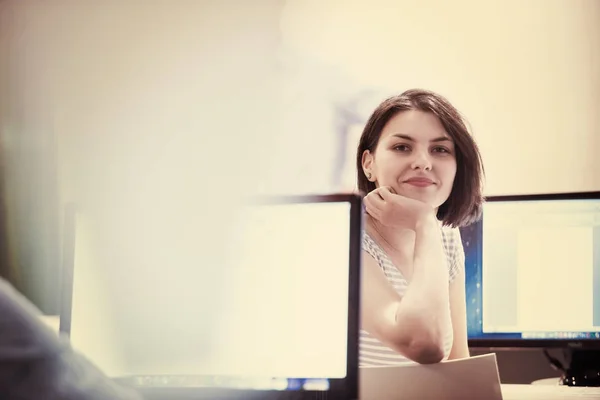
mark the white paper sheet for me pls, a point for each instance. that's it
(471, 378)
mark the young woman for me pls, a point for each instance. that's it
(422, 175)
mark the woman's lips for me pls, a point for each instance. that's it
(420, 182)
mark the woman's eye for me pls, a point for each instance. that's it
(441, 150)
(401, 147)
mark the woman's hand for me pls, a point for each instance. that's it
(395, 211)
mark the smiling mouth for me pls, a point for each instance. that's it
(420, 182)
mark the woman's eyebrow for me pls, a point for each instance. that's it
(411, 139)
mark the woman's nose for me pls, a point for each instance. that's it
(421, 161)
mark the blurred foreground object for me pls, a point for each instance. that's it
(35, 363)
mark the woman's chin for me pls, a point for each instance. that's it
(415, 195)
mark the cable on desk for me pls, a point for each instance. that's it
(554, 363)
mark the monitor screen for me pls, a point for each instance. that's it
(273, 315)
(533, 269)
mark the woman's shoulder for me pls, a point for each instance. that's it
(373, 249)
(451, 235)
(454, 250)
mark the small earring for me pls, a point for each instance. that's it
(368, 175)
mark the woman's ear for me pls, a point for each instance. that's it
(367, 164)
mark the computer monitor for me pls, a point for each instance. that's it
(533, 272)
(282, 321)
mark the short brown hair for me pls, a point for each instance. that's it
(465, 203)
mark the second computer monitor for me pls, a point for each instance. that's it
(533, 271)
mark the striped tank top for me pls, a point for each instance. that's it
(371, 351)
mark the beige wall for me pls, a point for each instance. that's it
(151, 115)
(525, 74)
(148, 106)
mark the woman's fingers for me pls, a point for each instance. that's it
(375, 202)
(367, 201)
(386, 202)
(373, 212)
(371, 205)
(376, 197)
(386, 193)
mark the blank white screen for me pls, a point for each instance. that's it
(278, 306)
(538, 265)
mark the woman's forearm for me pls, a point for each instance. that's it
(424, 311)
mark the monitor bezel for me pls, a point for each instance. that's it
(345, 388)
(512, 343)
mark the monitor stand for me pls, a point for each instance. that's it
(583, 368)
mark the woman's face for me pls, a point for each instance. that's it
(415, 156)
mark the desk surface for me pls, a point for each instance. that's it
(540, 390)
(548, 392)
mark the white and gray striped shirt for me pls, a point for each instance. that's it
(374, 353)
